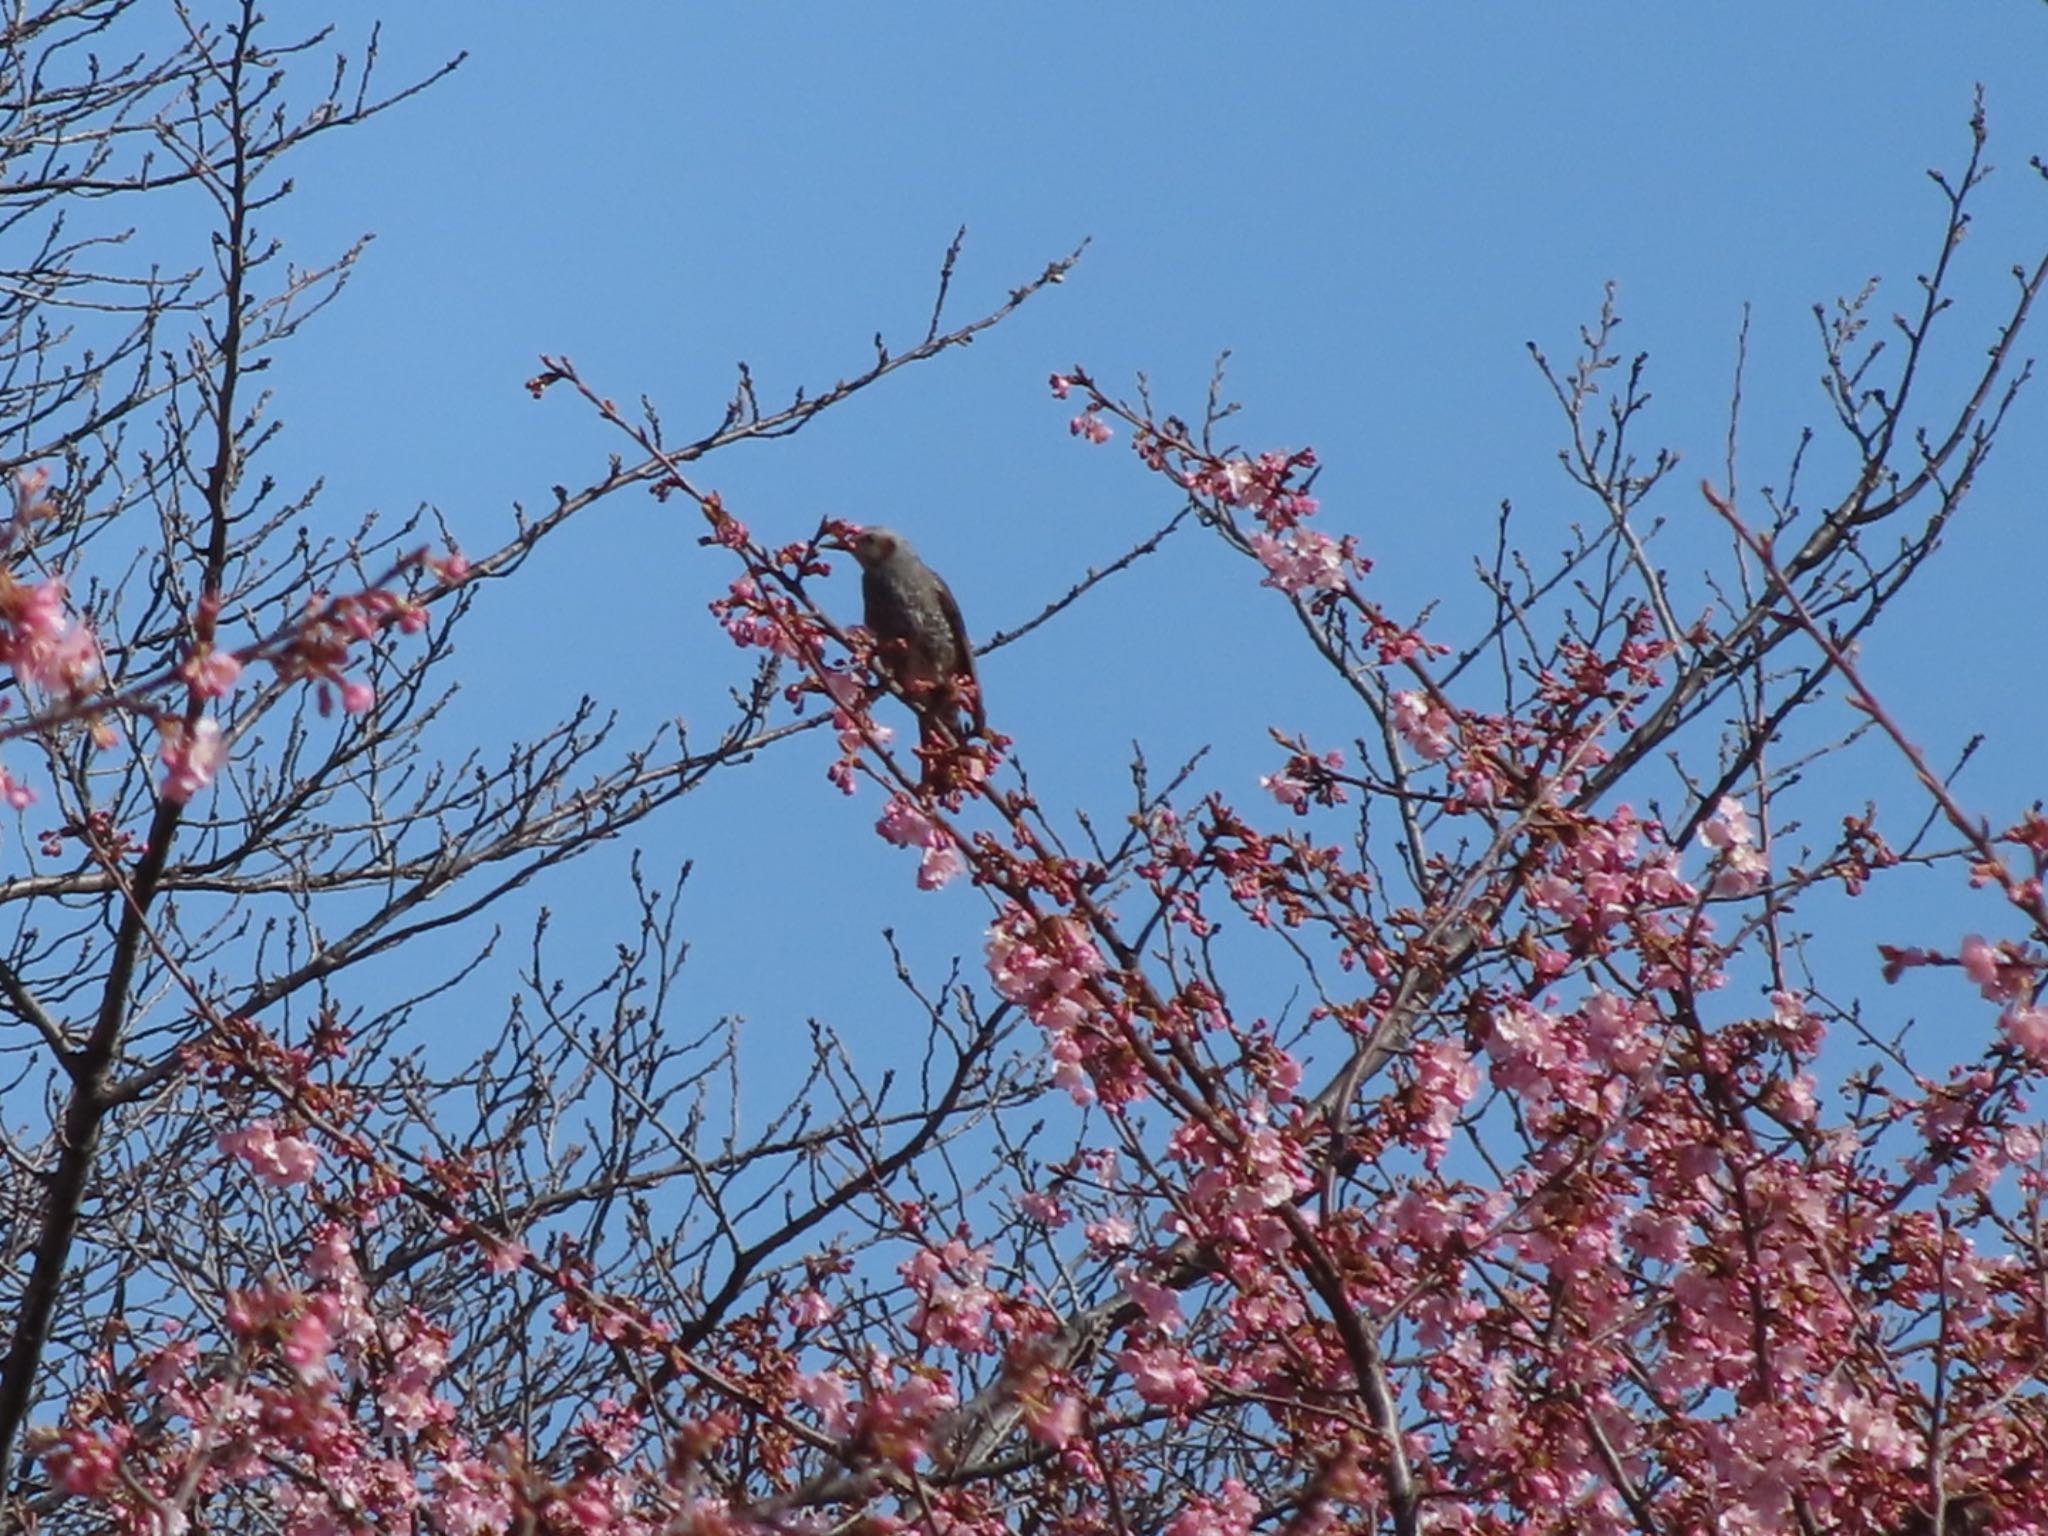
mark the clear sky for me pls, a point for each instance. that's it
(1372, 206)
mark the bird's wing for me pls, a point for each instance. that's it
(962, 647)
(875, 611)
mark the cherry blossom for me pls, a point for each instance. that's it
(45, 646)
(1743, 867)
(280, 1160)
(1424, 725)
(192, 756)
(1301, 560)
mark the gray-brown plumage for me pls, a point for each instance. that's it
(920, 642)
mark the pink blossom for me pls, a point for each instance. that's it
(1424, 725)
(212, 672)
(1036, 964)
(1870, 1428)
(1729, 826)
(1794, 1099)
(330, 1256)
(1060, 385)
(1089, 424)
(1743, 867)
(2027, 1028)
(1658, 1235)
(1445, 1080)
(754, 618)
(903, 824)
(1300, 560)
(1742, 871)
(307, 1344)
(1043, 1208)
(193, 757)
(1229, 1514)
(809, 1308)
(843, 687)
(1615, 1032)
(610, 1428)
(589, 1504)
(897, 1421)
(1273, 1167)
(29, 485)
(1992, 968)
(824, 1392)
(1290, 792)
(1160, 1304)
(954, 1307)
(82, 1462)
(1242, 485)
(17, 794)
(1791, 1020)
(280, 1161)
(504, 1255)
(1069, 1067)
(1110, 1235)
(418, 1359)
(171, 1366)
(1056, 1421)
(1423, 1217)
(42, 643)
(1164, 1377)
(1259, 484)
(939, 866)
(1527, 1049)
(1980, 963)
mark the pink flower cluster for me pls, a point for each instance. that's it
(1424, 724)
(46, 648)
(320, 648)
(278, 1159)
(1302, 560)
(762, 620)
(1743, 867)
(1445, 1078)
(1090, 425)
(1609, 874)
(1263, 485)
(213, 672)
(1579, 1063)
(191, 756)
(1307, 777)
(903, 824)
(1047, 967)
(955, 1308)
(1240, 1169)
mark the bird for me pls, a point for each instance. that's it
(921, 646)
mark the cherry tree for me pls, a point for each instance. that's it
(1575, 1198)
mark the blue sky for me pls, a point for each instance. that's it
(1372, 207)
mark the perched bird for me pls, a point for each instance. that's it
(920, 644)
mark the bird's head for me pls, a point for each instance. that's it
(874, 546)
